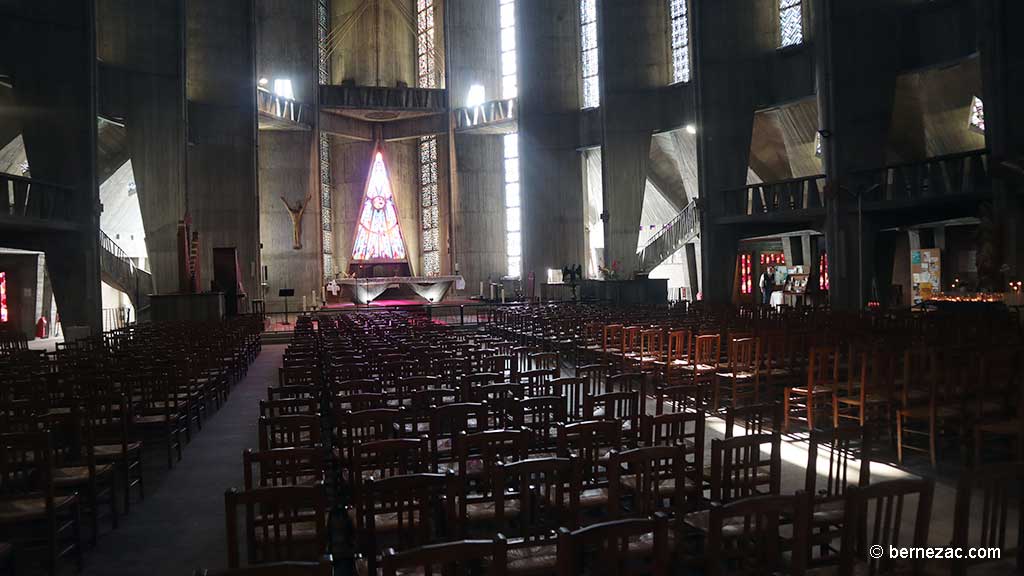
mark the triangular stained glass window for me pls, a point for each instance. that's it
(378, 231)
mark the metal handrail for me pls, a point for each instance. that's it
(689, 212)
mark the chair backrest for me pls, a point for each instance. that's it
(546, 361)
(288, 406)
(707, 350)
(874, 516)
(589, 441)
(623, 407)
(744, 537)
(447, 421)
(386, 458)
(754, 419)
(461, 557)
(657, 480)
(682, 397)
(548, 494)
(739, 470)
(355, 428)
(290, 431)
(540, 416)
(996, 484)
(478, 455)
(604, 548)
(281, 523)
(322, 568)
(822, 366)
(837, 448)
(283, 467)
(684, 429)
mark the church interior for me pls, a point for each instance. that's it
(511, 287)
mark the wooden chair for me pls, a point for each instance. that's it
(533, 499)
(355, 428)
(741, 374)
(995, 484)
(652, 479)
(745, 536)
(282, 523)
(678, 356)
(621, 407)
(617, 547)
(590, 442)
(540, 416)
(288, 406)
(446, 423)
(80, 473)
(114, 441)
(403, 511)
(450, 558)
(685, 429)
(822, 378)
(873, 513)
(739, 470)
(477, 457)
(32, 514)
(754, 419)
(927, 407)
(683, 397)
(868, 394)
(838, 449)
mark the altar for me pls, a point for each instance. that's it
(431, 289)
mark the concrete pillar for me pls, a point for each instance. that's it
(143, 41)
(691, 270)
(634, 63)
(856, 79)
(479, 198)
(223, 198)
(55, 91)
(549, 101)
(728, 39)
(288, 160)
(1002, 64)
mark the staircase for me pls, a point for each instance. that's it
(120, 272)
(680, 230)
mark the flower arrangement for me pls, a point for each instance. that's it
(609, 272)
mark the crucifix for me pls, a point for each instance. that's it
(296, 213)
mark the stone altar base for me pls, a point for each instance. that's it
(431, 289)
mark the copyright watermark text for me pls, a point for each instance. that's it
(934, 553)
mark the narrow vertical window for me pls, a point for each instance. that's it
(791, 23)
(427, 75)
(513, 223)
(680, 41)
(977, 115)
(823, 283)
(425, 56)
(746, 275)
(509, 63)
(589, 64)
(326, 213)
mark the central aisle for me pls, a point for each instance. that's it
(180, 526)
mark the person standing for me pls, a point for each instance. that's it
(767, 285)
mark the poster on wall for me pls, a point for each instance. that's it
(925, 274)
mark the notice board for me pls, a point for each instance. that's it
(925, 274)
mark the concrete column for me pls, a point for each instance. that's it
(634, 63)
(692, 270)
(856, 79)
(288, 160)
(1002, 64)
(549, 101)
(729, 39)
(143, 41)
(55, 91)
(223, 198)
(479, 198)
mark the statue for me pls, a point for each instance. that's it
(296, 214)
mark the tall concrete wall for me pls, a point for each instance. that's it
(479, 194)
(55, 97)
(358, 30)
(547, 37)
(222, 188)
(143, 41)
(288, 160)
(634, 62)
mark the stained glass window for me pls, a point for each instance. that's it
(425, 57)
(791, 23)
(326, 227)
(429, 206)
(823, 282)
(746, 275)
(509, 66)
(588, 54)
(378, 232)
(978, 115)
(513, 223)
(3, 297)
(772, 258)
(680, 41)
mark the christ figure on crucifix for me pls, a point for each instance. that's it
(296, 213)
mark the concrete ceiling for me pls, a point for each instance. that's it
(121, 218)
(672, 165)
(782, 144)
(932, 110)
